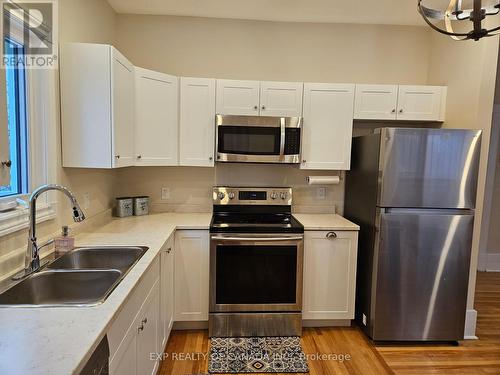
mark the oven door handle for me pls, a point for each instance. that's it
(257, 239)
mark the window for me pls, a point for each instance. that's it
(15, 85)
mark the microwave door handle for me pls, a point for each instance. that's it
(283, 138)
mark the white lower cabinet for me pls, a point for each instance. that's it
(133, 335)
(191, 275)
(329, 274)
(166, 292)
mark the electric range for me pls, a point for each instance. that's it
(256, 261)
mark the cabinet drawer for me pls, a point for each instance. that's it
(131, 307)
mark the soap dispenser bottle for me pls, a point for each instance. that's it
(64, 243)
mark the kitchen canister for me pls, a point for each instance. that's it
(141, 206)
(124, 207)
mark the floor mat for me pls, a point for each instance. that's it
(256, 355)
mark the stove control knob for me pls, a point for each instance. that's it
(231, 195)
(283, 195)
(274, 196)
(221, 196)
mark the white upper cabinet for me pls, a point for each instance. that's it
(237, 97)
(403, 103)
(376, 102)
(327, 130)
(254, 98)
(97, 106)
(197, 122)
(123, 98)
(421, 103)
(157, 107)
(281, 99)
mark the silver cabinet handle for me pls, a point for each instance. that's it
(145, 320)
(393, 111)
(401, 110)
(331, 235)
(140, 328)
(304, 161)
(139, 156)
(169, 250)
(6, 163)
(117, 156)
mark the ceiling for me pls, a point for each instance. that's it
(392, 12)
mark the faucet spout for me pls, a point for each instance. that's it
(32, 260)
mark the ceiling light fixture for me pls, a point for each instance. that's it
(474, 11)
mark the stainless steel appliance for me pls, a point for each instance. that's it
(258, 139)
(413, 193)
(256, 261)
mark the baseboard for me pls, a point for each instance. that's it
(185, 326)
(470, 325)
(326, 323)
(493, 262)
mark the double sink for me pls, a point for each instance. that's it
(83, 277)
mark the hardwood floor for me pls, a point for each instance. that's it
(470, 357)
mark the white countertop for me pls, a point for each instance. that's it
(325, 222)
(60, 340)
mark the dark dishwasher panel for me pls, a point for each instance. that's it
(98, 363)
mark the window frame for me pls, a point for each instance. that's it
(20, 162)
(41, 139)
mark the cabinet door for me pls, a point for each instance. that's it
(191, 275)
(147, 340)
(421, 103)
(330, 274)
(166, 294)
(126, 362)
(86, 112)
(281, 99)
(197, 122)
(327, 131)
(156, 127)
(376, 102)
(237, 97)
(122, 78)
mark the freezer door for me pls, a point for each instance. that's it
(422, 276)
(429, 168)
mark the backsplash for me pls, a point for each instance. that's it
(190, 188)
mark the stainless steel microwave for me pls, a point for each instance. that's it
(258, 139)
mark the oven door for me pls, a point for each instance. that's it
(250, 273)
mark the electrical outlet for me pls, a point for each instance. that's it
(86, 201)
(165, 193)
(321, 193)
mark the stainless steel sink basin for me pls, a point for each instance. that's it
(85, 276)
(120, 258)
(62, 288)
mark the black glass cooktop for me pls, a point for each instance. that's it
(232, 222)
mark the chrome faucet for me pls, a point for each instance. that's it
(32, 261)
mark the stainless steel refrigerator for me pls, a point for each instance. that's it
(413, 192)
